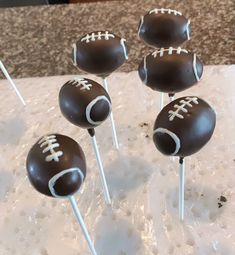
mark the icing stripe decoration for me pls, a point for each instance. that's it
(53, 180)
(75, 54)
(81, 82)
(168, 11)
(145, 70)
(50, 143)
(170, 51)
(195, 67)
(89, 108)
(122, 42)
(97, 36)
(160, 52)
(187, 30)
(172, 135)
(182, 108)
(141, 24)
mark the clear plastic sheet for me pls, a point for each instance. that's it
(143, 219)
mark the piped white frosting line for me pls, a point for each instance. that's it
(195, 67)
(97, 36)
(182, 107)
(122, 42)
(49, 142)
(168, 11)
(160, 52)
(145, 70)
(89, 108)
(82, 83)
(172, 135)
(170, 50)
(141, 24)
(187, 30)
(75, 54)
(55, 178)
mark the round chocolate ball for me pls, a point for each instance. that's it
(100, 53)
(170, 70)
(184, 126)
(164, 28)
(84, 102)
(56, 165)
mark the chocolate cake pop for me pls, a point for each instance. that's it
(170, 70)
(164, 28)
(56, 167)
(86, 104)
(181, 129)
(100, 53)
(184, 126)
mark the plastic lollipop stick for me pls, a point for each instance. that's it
(82, 224)
(172, 98)
(181, 188)
(105, 83)
(115, 140)
(172, 158)
(161, 100)
(101, 169)
(4, 70)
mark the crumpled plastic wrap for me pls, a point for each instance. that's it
(143, 219)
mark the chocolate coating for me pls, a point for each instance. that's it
(100, 53)
(184, 126)
(59, 158)
(170, 70)
(84, 102)
(164, 28)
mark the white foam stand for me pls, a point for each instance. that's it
(144, 218)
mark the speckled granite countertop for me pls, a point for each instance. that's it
(36, 41)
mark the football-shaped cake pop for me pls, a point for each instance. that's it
(184, 126)
(84, 102)
(100, 53)
(164, 28)
(56, 165)
(170, 70)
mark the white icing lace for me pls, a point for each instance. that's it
(184, 103)
(50, 143)
(81, 82)
(169, 11)
(169, 51)
(97, 36)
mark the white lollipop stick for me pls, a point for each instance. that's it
(161, 100)
(4, 70)
(114, 133)
(101, 170)
(181, 188)
(172, 98)
(82, 224)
